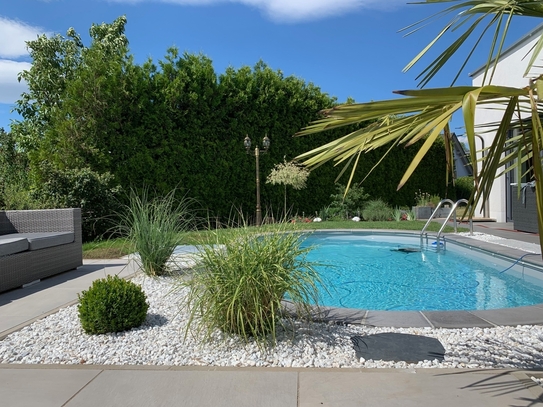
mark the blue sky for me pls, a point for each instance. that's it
(349, 48)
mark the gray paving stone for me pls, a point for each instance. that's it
(513, 316)
(137, 388)
(8, 322)
(455, 319)
(341, 315)
(400, 319)
(410, 388)
(41, 387)
(25, 304)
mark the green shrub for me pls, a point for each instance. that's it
(464, 187)
(96, 194)
(377, 210)
(398, 214)
(331, 213)
(422, 198)
(435, 200)
(112, 305)
(239, 285)
(154, 228)
(324, 213)
(350, 204)
(17, 196)
(14, 178)
(410, 215)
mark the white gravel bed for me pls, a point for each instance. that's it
(59, 339)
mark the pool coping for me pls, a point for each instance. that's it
(526, 315)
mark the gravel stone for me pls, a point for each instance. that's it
(59, 339)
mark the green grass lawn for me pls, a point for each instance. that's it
(115, 248)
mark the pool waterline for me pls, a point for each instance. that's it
(532, 314)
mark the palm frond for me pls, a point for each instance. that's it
(422, 114)
(425, 114)
(473, 14)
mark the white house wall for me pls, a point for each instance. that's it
(509, 72)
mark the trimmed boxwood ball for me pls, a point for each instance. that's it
(112, 304)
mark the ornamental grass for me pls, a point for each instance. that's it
(239, 284)
(154, 228)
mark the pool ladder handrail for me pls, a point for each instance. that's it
(453, 211)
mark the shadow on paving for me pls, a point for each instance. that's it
(19, 293)
(507, 385)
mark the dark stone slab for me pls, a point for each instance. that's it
(455, 319)
(398, 347)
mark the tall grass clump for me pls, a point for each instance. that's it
(238, 286)
(377, 210)
(154, 227)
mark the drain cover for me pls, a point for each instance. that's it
(398, 347)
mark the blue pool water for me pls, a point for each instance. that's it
(368, 272)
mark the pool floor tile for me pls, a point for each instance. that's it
(455, 319)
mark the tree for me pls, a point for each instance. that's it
(425, 114)
(93, 120)
(71, 118)
(72, 111)
(288, 173)
(54, 61)
(14, 181)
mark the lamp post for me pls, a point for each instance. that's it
(256, 153)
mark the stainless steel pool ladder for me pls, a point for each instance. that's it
(453, 211)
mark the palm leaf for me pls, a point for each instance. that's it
(425, 114)
(463, 12)
(423, 150)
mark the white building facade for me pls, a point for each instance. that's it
(509, 72)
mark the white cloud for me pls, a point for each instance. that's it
(14, 34)
(292, 10)
(10, 88)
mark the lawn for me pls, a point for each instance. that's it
(115, 248)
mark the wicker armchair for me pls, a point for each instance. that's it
(28, 266)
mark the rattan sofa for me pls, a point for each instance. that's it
(53, 239)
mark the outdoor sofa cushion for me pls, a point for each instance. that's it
(11, 244)
(19, 242)
(37, 241)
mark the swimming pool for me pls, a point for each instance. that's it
(383, 271)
